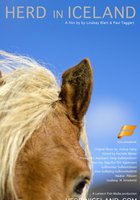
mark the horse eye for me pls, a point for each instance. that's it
(79, 188)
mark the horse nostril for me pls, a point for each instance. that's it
(80, 186)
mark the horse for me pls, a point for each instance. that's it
(44, 152)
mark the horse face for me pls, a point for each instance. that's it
(52, 164)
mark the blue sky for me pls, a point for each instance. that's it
(114, 52)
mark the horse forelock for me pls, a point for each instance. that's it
(26, 98)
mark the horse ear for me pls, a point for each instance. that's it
(1, 80)
(76, 89)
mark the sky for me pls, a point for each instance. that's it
(114, 51)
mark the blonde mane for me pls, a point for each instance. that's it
(26, 98)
